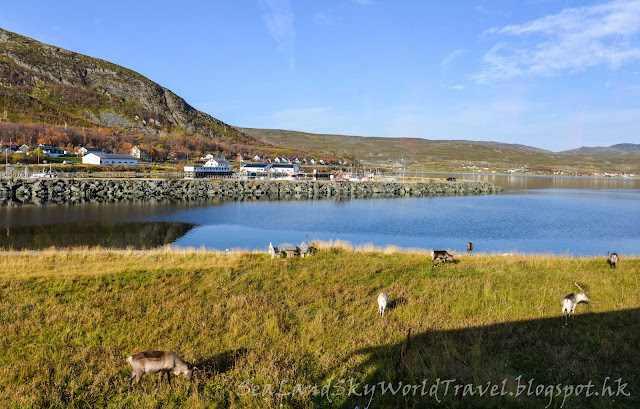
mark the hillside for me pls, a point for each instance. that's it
(450, 155)
(40, 83)
(619, 149)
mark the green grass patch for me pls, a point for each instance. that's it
(69, 318)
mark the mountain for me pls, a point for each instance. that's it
(44, 83)
(392, 150)
(444, 155)
(323, 141)
(619, 149)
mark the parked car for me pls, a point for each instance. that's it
(452, 179)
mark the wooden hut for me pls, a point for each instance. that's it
(306, 250)
(287, 250)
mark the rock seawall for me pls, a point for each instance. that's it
(41, 191)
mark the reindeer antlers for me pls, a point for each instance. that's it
(579, 287)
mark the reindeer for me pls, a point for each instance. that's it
(612, 259)
(469, 247)
(151, 362)
(441, 255)
(383, 301)
(570, 301)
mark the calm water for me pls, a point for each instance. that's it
(558, 215)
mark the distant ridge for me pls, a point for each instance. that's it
(618, 149)
(281, 136)
(445, 155)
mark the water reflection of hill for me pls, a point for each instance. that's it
(140, 235)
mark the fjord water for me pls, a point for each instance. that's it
(576, 216)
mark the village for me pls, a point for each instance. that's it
(208, 166)
(218, 166)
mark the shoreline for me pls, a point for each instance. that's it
(366, 248)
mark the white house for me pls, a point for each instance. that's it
(139, 153)
(290, 169)
(214, 167)
(256, 168)
(85, 151)
(109, 159)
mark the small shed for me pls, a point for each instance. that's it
(306, 250)
(287, 250)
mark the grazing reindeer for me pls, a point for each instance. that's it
(151, 362)
(570, 301)
(613, 259)
(469, 247)
(441, 255)
(383, 301)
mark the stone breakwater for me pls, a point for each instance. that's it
(41, 191)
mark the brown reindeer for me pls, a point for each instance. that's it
(441, 255)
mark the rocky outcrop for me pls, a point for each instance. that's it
(45, 82)
(29, 191)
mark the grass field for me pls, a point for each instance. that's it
(68, 319)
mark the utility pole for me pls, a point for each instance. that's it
(6, 159)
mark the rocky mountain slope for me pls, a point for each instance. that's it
(44, 83)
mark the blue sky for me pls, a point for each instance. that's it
(551, 74)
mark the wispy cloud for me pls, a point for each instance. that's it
(446, 61)
(570, 41)
(363, 2)
(457, 87)
(279, 18)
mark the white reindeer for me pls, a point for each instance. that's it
(383, 301)
(570, 301)
(151, 362)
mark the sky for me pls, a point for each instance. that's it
(554, 74)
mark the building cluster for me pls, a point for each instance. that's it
(93, 156)
(215, 166)
(220, 167)
(289, 161)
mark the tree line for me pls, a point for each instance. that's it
(159, 146)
